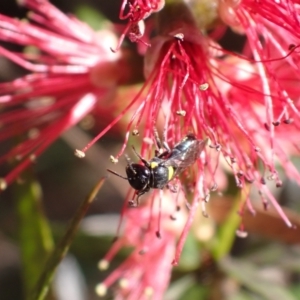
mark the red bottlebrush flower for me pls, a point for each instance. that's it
(70, 70)
(146, 272)
(244, 103)
(235, 100)
(272, 48)
(136, 11)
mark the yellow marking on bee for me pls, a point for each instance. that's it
(153, 164)
(171, 172)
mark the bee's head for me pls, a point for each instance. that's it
(138, 176)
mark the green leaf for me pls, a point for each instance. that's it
(196, 291)
(90, 16)
(43, 284)
(241, 295)
(34, 231)
(178, 288)
(295, 290)
(248, 275)
(227, 232)
(187, 288)
(191, 255)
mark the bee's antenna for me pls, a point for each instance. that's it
(140, 157)
(129, 164)
(115, 173)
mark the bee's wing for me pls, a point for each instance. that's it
(182, 160)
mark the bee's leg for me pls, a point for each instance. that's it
(159, 148)
(158, 231)
(138, 194)
(134, 202)
(162, 147)
(162, 154)
(173, 187)
(178, 187)
(157, 138)
(165, 143)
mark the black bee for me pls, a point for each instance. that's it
(162, 168)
